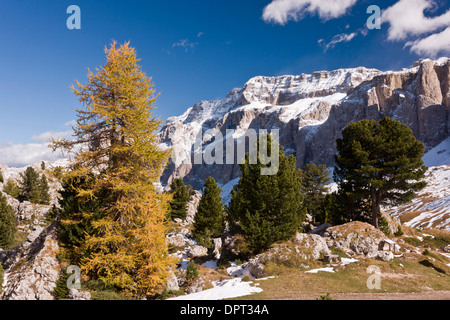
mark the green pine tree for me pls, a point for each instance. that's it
(191, 271)
(8, 224)
(267, 208)
(1, 177)
(314, 187)
(209, 221)
(44, 196)
(178, 204)
(78, 214)
(11, 188)
(379, 163)
(29, 187)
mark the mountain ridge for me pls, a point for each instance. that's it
(310, 111)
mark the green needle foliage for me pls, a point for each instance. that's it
(8, 224)
(267, 208)
(209, 221)
(379, 163)
(178, 204)
(314, 187)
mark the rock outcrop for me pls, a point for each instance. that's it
(32, 269)
(358, 239)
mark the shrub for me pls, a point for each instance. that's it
(326, 297)
(11, 188)
(399, 232)
(191, 272)
(60, 292)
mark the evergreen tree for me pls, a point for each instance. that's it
(178, 204)
(267, 208)
(209, 221)
(1, 177)
(29, 187)
(44, 196)
(191, 271)
(11, 188)
(116, 141)
(78, 213)
(314, 180)
(8, 224)
(379, 163)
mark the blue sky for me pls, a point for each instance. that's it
(194, 50)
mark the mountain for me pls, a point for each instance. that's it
(310, 110)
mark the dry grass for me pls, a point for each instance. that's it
(406, 217)
(404, 275)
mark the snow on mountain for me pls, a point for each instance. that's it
(439, 155)
(263, 102)
(310, 111)
(431, 207)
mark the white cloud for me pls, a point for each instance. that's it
(46, 136)
(20, 155)
(282, 11)
(432, 45)
(342, 37)
(407, 18)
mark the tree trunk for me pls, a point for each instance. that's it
(375, 207)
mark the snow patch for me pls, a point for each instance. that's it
(224, 289)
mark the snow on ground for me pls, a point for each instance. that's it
(330, 269)
(431, 207)
(344, 261)
(211, 264)
(226, 190)
(225, 289)
(439, 155)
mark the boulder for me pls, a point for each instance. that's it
(75, 294)
(256, 267)
(217, 242)
(314, 244)
(172, 283)
(197, 251)
(355, 238)
(385, 256)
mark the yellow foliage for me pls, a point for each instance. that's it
(115, 140)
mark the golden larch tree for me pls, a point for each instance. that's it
(115, 140)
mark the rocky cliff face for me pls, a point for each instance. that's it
(310, 111)
(32, 269)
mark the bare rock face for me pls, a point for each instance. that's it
(356, 239)
(197, 251)
(317, 245)
(311, 111)
(75, 294)
(192, 207)
(32, 269)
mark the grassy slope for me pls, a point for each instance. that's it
(403, 275)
